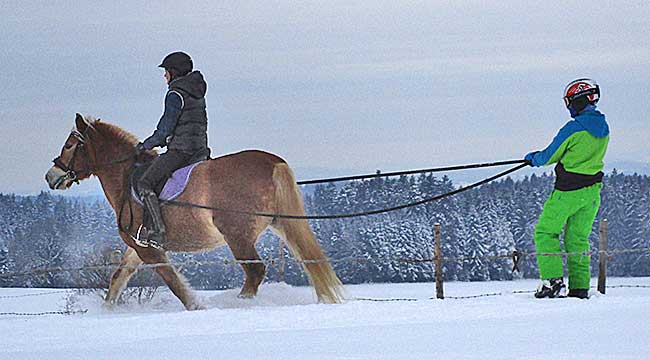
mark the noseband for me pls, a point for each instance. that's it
(70, 174)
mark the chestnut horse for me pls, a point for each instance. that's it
(250, 181)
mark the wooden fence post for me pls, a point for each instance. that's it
(438, 261)
(602, 256)
(281, 261)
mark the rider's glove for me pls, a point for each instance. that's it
(529, 157)
(139, 149)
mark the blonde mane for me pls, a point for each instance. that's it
(110, 130)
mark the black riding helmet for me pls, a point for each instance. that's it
(177, 63)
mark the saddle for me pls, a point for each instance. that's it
(170, 188)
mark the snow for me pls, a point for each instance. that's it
(285, 322)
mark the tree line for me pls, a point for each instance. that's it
(47, 231)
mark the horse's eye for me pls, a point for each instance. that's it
(67, 146)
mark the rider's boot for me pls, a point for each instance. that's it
(155, 236)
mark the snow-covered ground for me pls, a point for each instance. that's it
(284, 322)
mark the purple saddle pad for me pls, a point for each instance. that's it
(175, 184)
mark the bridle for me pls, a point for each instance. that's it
(70, 173)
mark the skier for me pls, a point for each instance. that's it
(183, 129)
(578, 149)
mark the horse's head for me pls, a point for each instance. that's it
(75, 161)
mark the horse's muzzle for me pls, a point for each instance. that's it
(57, 179)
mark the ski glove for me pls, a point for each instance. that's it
(529, 157)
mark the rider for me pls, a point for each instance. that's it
(182, 128)
(578, 149)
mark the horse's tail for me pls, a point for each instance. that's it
(301, 239)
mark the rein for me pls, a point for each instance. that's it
(125, 200)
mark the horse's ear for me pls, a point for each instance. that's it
(80, 123)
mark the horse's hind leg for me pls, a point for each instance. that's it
(121, 276)
(243, 248)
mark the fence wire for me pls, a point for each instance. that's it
(44, 313)
(33, 294)
(515, 256)
(515, 292)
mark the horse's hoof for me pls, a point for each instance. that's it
(246, 296)
(108, 305)
(196, 306)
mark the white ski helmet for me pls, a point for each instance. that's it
(579, 88)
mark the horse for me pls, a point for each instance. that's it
(249, 181)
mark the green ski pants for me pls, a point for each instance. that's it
(574, 212)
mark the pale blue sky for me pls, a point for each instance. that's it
(334, 87)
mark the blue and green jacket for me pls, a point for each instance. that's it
(578, 149)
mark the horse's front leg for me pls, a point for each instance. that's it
(121, 276)
(176, 282)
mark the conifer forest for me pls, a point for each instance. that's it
(48, 231)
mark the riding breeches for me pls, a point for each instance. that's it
(162, 168)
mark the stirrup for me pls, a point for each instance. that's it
(143, 240)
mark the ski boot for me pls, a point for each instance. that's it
(579, 293)
(551, 288)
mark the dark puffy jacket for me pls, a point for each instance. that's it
(191, 131)
(184, 123)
